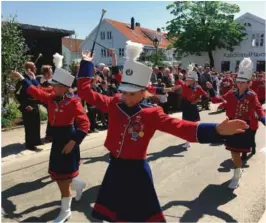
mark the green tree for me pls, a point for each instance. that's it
(65, 65)
(151, 56)
(200, 26)
(13, 53)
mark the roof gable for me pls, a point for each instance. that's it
(253, 17)
(139, 34)
(72, 44)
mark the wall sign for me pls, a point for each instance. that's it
(249, 54)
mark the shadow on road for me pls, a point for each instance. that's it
(171, 151)
(228, 165)
(207, 203)
(8, 208)
(104, 158)
(12, 149)
(83, 206)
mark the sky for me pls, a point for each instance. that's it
(83, 17)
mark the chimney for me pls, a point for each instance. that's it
(132, 23)
(158, 30)
(137, 24)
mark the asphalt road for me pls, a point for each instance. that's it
(191, 184)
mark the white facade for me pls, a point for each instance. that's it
(70, 56)
(109, 37)
(116, 41)
(253, 47)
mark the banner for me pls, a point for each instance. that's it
(249, 54)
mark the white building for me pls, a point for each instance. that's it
(253, 47)
(71, 49)
(114, 34)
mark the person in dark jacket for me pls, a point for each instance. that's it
(30, 110)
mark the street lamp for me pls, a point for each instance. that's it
(156, 44)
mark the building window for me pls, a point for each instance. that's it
(104, 53)
(225, 66)
(237, 65)
(109, 35)
(261, 39)
(102, 35)
(261, 66)
(121, 52)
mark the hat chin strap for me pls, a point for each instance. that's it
(53, 80)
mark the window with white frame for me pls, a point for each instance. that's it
(109, 35)
(257, 39)
(121, 52)
(104, 53)
(102, 35)
(261, 39)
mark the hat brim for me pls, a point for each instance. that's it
(129, 88)
(242, 80)
(57, 83)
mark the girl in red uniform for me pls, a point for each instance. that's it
(241, 103)
(127, 192)
(191, 93)
(258, 86)
(63, 110)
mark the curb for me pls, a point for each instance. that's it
(18, 127)
(263, 218)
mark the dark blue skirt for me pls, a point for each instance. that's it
(242, 142)
(127, 193)
(190, 111)
(63, 166)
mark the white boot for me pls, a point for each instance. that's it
(236, 179)
(65, 212)
(78, 186)
(186, 145)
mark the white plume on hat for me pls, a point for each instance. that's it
(136, 75)
(191, 74)
(61, 76)
(58, 60)
(133, 50)
(245, 70)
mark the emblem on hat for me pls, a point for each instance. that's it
(129, 72)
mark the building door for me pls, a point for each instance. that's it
(237, 66)
(225, 66)
(261, 65)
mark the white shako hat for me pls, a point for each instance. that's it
(61, 76)
(191, 74)
(136, 76)
(245, 70)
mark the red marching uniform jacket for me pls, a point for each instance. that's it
(258, 86)
(242, 107)
(192, 93)
(62, 113)
(131, 129)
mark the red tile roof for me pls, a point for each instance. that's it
(139, 34)
(72, 44)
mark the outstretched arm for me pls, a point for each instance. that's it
(32, 89)
(85, 92)
(198, 132)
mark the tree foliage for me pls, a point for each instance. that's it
(204, 26)
(151, 56)
(13, 53)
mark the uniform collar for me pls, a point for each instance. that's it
(239, 97)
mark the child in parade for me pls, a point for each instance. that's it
(127, 192)
(241, 103)
(191, 92)
(63, 110)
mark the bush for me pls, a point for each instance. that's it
(43, 115)
(10, 114)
